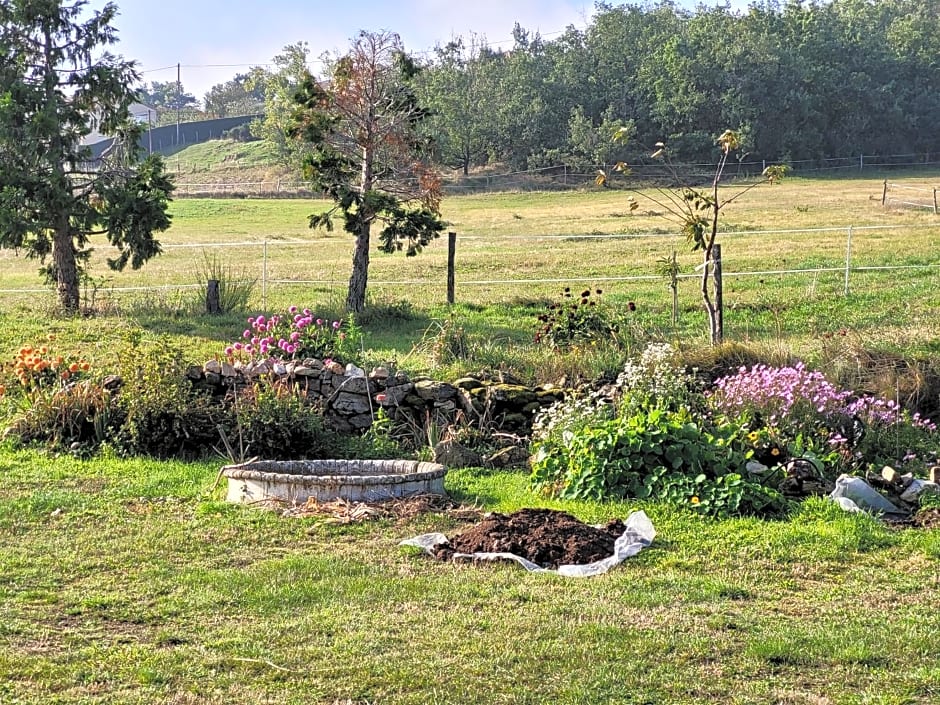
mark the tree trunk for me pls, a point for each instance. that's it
(356, 296)
(66, 268)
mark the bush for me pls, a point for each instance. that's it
(273, 422)
(298, 334)
(160, 414)
(646, 445)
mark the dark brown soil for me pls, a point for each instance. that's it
(546, 537)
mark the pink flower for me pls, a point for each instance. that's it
(380, 398)
(246, 334)
(292, 309)
(336, 325)
(229, 351)
(319, 321)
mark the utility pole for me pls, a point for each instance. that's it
(179, 97)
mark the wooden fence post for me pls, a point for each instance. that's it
(935, 201)
(719, 297)
(884, 194)
(451, 257)
(213, 305)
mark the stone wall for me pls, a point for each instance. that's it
(351, 398)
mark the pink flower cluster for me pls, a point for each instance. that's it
(778, 393)
(298, 334)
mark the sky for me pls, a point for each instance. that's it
(212, 40)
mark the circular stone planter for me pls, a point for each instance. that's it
(296, 481)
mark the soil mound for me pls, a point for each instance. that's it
(547, 537)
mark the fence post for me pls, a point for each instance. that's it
(451, 257)
(264, 275)
(848, 261)
(861, 162)
(719, 333)
(213, 305)
(935, 201)
(884, 194)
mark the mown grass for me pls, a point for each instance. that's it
(517, 251)
(129, 581)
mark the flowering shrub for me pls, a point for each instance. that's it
(575, 319)
(298, 334)
(648, 446)
(799, 410)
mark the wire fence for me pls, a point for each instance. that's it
(844, 261)
(566, 176)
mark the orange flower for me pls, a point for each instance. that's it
(84, 366)
(66, 374)
(73, 367)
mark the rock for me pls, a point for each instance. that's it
(511, 395)
(349, 404)
(379, 373)
(395, 395)
(352, 371)
(194, 373)
(934, 474)
(213, 366)
(355, 385)
(304, 371)
(213, 379)
(228, 371)
(337, 369)
(468, 383)
(509, 457)
(454, 455)
(112, 383)
(432, 390)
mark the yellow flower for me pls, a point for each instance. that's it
(775, 452)
(694, 500)
(753, 435)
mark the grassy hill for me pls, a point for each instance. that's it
(227, 161)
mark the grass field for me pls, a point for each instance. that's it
(515, 252)
(131, 581)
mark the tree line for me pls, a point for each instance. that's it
(798, 80)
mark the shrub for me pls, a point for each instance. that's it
(574, 319)
(160, 413)
(646, 445)
(272, 421)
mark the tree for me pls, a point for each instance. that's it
(234, 98)
(697, 211)
(278, 88)
(453, 89)
(52, 198)
(363, 148)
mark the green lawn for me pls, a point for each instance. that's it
(131, 582)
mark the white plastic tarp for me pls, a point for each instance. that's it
(638, 535)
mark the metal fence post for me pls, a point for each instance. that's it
(848, 261)
(264, 275)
